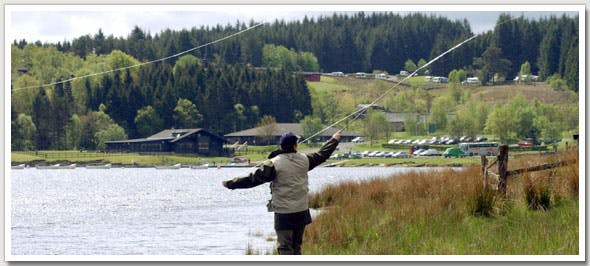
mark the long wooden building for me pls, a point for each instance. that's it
(270, 135)
(187, 141)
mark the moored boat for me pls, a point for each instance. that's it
(106, 166)
(176, 166)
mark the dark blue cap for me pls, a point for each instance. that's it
(288, 139)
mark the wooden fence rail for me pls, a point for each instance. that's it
(540, 167)
(504, 173)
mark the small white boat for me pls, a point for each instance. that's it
(200, 166)
(106, 166)
(20, 166)
(176, 166)
(54, 166)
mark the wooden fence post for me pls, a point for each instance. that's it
(502, 169)
(484, 171)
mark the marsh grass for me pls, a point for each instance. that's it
(448, 212)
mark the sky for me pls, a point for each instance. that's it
(52, 23)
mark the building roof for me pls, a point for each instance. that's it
(281, 128)
(171, 135)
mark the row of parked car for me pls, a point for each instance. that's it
(450, 152)
(438, 140)
(371, 154)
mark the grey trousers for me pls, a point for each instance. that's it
(290, 241)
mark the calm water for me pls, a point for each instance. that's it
(149, 211)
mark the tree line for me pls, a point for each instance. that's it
(139, 102)
(222, 88)
(362, 42)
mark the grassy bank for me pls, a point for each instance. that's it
(84, 158)
(448, 213)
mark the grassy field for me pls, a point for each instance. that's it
(448, 213)
(366, 89)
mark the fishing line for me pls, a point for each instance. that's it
(144, 63)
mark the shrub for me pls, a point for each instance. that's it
(483, 202)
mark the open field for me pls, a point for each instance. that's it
(372, 88)
(442, 213)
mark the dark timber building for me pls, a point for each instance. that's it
(270, 135)
(194, 140)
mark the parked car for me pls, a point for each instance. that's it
(430, 152)
(453, 152)
(417, 152)
(480, 139)
(401, 154)
(355, 155)
(380, 154)
(528, 142)
(358, 140)
(374, 154)
(451, 142)
(554, 140)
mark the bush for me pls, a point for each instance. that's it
(537, 193)
(484, 202)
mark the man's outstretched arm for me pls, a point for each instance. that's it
(264, 173)
(325, 151)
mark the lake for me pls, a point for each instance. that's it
(144, 211)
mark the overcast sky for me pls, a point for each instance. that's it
(59, 23)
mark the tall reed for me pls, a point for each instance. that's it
(442, 212)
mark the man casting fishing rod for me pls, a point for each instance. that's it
(287, 169)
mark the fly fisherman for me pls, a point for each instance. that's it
(287, 169)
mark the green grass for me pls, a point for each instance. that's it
(328, 84)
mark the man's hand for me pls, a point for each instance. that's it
(336, 135)
(224, 183)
